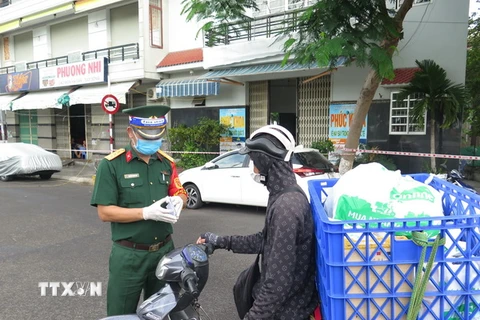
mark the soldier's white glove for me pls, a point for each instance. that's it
(158, 213)
(177, 202)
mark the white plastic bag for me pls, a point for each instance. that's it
(371, 192)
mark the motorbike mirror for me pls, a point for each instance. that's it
(444, 166)
(159, 305)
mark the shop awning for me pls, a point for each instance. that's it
(262, 69)
(39, 100)
(94, 94)
(186, 88)
(5, 100)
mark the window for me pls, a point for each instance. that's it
(156, 24)
(400, 2)
(234, 160)
(4, 3)
(277, 6)
(401, 118)
(297, 4)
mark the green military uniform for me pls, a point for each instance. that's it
(125, 180)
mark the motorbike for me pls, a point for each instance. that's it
(185, 271)
(454, 176)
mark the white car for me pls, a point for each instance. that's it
(24, 159)
(227, 179)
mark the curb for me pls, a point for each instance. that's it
(84, 180)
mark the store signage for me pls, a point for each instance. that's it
(19, 81)
(85, 72)
(235, 120)
(341, 115)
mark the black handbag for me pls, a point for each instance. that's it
(243, 288)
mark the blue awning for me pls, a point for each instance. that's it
(263, 69)
(186, 88)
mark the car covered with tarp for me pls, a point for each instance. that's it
(24, 159)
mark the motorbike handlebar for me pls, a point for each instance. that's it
(209, 248)
(189, 278)
(192, 286)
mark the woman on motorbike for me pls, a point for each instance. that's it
(286, 288)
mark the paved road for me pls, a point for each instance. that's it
(48, 232)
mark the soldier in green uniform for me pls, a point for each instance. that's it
(138, 191)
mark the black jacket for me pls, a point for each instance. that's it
(286, 289)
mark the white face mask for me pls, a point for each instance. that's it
(258, 178)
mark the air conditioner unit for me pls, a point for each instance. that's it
(152, 97)
(152, 93)
(163, 101)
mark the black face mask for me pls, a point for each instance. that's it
(263, 164)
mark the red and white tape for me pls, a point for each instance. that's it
(345, 150)
(108, 151)
(414, 154)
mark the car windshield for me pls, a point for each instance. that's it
(311, 159)
(234, 160)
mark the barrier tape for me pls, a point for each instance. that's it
(108, 151)
(344, 151)
(413, 154)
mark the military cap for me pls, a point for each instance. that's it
(148, 121)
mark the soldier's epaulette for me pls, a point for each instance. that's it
(166, 156)
(115, 154)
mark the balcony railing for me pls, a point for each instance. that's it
(47, 63)
(5, 70)
(119, 53)
(264, 27)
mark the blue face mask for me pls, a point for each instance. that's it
(148, 147)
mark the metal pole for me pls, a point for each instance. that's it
(110, 120)
(3, 127)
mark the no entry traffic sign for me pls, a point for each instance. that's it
(110, 104)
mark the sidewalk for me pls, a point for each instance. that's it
(78, 171)
(475, 184)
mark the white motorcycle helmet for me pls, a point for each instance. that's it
(260, 142)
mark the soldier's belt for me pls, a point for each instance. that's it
(140, 246)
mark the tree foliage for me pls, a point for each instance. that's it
(472, 82)
(324, 34)
(438, 96)
(203, 137)
(364, 32)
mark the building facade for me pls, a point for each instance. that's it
(59, 59)
(246, 69)
(146, 53)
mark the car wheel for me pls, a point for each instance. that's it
(5, 178)
(45, 176)
(194, 199)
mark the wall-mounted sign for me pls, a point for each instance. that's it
(341, 116)
(19, 81)
(110, 104)
(235, 120)
(85, 72)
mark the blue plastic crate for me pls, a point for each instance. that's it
(365, 272)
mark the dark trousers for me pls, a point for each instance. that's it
(130, 271)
